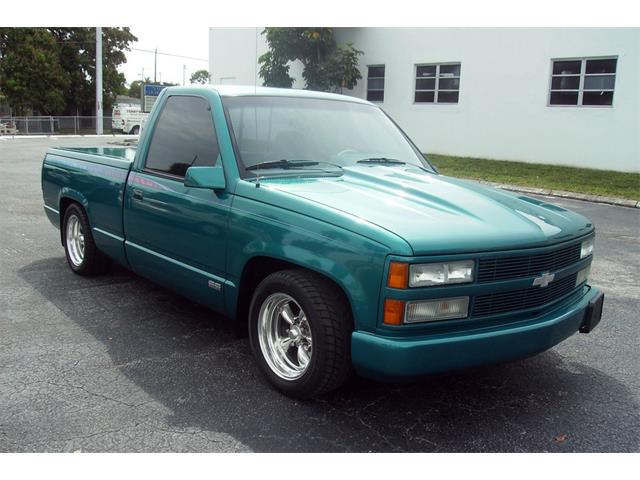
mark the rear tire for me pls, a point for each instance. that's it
(80, 249)
(300, 332)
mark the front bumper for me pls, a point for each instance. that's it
(398, 358)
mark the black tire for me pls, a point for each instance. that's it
(135, 130)
(330, 322)
(93, 261)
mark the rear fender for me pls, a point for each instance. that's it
(76, 196)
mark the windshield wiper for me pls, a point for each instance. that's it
(392, 161)
(382, 160)
(284, 164)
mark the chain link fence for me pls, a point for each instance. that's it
(53, 125)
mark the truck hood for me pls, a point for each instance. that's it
(434, 213)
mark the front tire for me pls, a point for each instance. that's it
(80, 249)
(300, 332)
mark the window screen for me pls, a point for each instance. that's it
(184, 136)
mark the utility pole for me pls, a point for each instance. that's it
(99, 129)
(184, 72)
(155, 64)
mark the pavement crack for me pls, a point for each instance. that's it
(95, 394)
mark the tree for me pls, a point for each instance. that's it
(134, 89)
(275, 70)
(52, 70)
(31, 76)
(200, 77)
(136, 86)
(78, 56)
(327, 66)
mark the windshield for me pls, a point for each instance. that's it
(276, 131)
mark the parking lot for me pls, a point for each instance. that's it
(115, 363)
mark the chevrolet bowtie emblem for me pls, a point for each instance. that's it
(544, 279)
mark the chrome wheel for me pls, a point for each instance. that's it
(75, 240)
(284, 336)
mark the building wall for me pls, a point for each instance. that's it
(234, 53)
(502, 111)
(504, 86)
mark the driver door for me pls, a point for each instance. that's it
(176, 235)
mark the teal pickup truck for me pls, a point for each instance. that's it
(311, 219)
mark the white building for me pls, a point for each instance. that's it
(567, 96)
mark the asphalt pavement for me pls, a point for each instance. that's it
(116, 363)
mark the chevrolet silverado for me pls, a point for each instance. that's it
(312, 220)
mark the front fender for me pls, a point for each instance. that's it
(354, 262)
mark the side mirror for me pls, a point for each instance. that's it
(205, 177)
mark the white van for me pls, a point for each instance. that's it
(128, 118)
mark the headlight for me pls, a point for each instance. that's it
(583, 275)
(441, 309)
(431, 274)
(587, 247)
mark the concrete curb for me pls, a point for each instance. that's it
(621, 202)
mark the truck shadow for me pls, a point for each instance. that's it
(190, 361)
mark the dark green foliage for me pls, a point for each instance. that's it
(52, 70)
(200, 77)
(275, 71)
(30, 72)
(327, 66)
(136, 86)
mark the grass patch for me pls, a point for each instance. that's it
(581, 180)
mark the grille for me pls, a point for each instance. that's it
(492, 269)
(502, 302)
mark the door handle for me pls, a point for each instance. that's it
(137, 194)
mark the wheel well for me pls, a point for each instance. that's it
(256, 270)
(64, 204)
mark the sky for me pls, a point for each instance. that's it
(190, 41)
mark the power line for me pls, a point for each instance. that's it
(137, 49)
(169, 54)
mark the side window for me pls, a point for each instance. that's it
(375, 83)
(447, 88)
(184, 136)
(583, 82)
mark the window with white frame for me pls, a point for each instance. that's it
(437, 83)
(583, 81)
(375, 83)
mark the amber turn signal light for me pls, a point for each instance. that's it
(393, 311)
(398, 275)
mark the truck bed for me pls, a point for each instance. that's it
(123, 155)
(94, 177)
